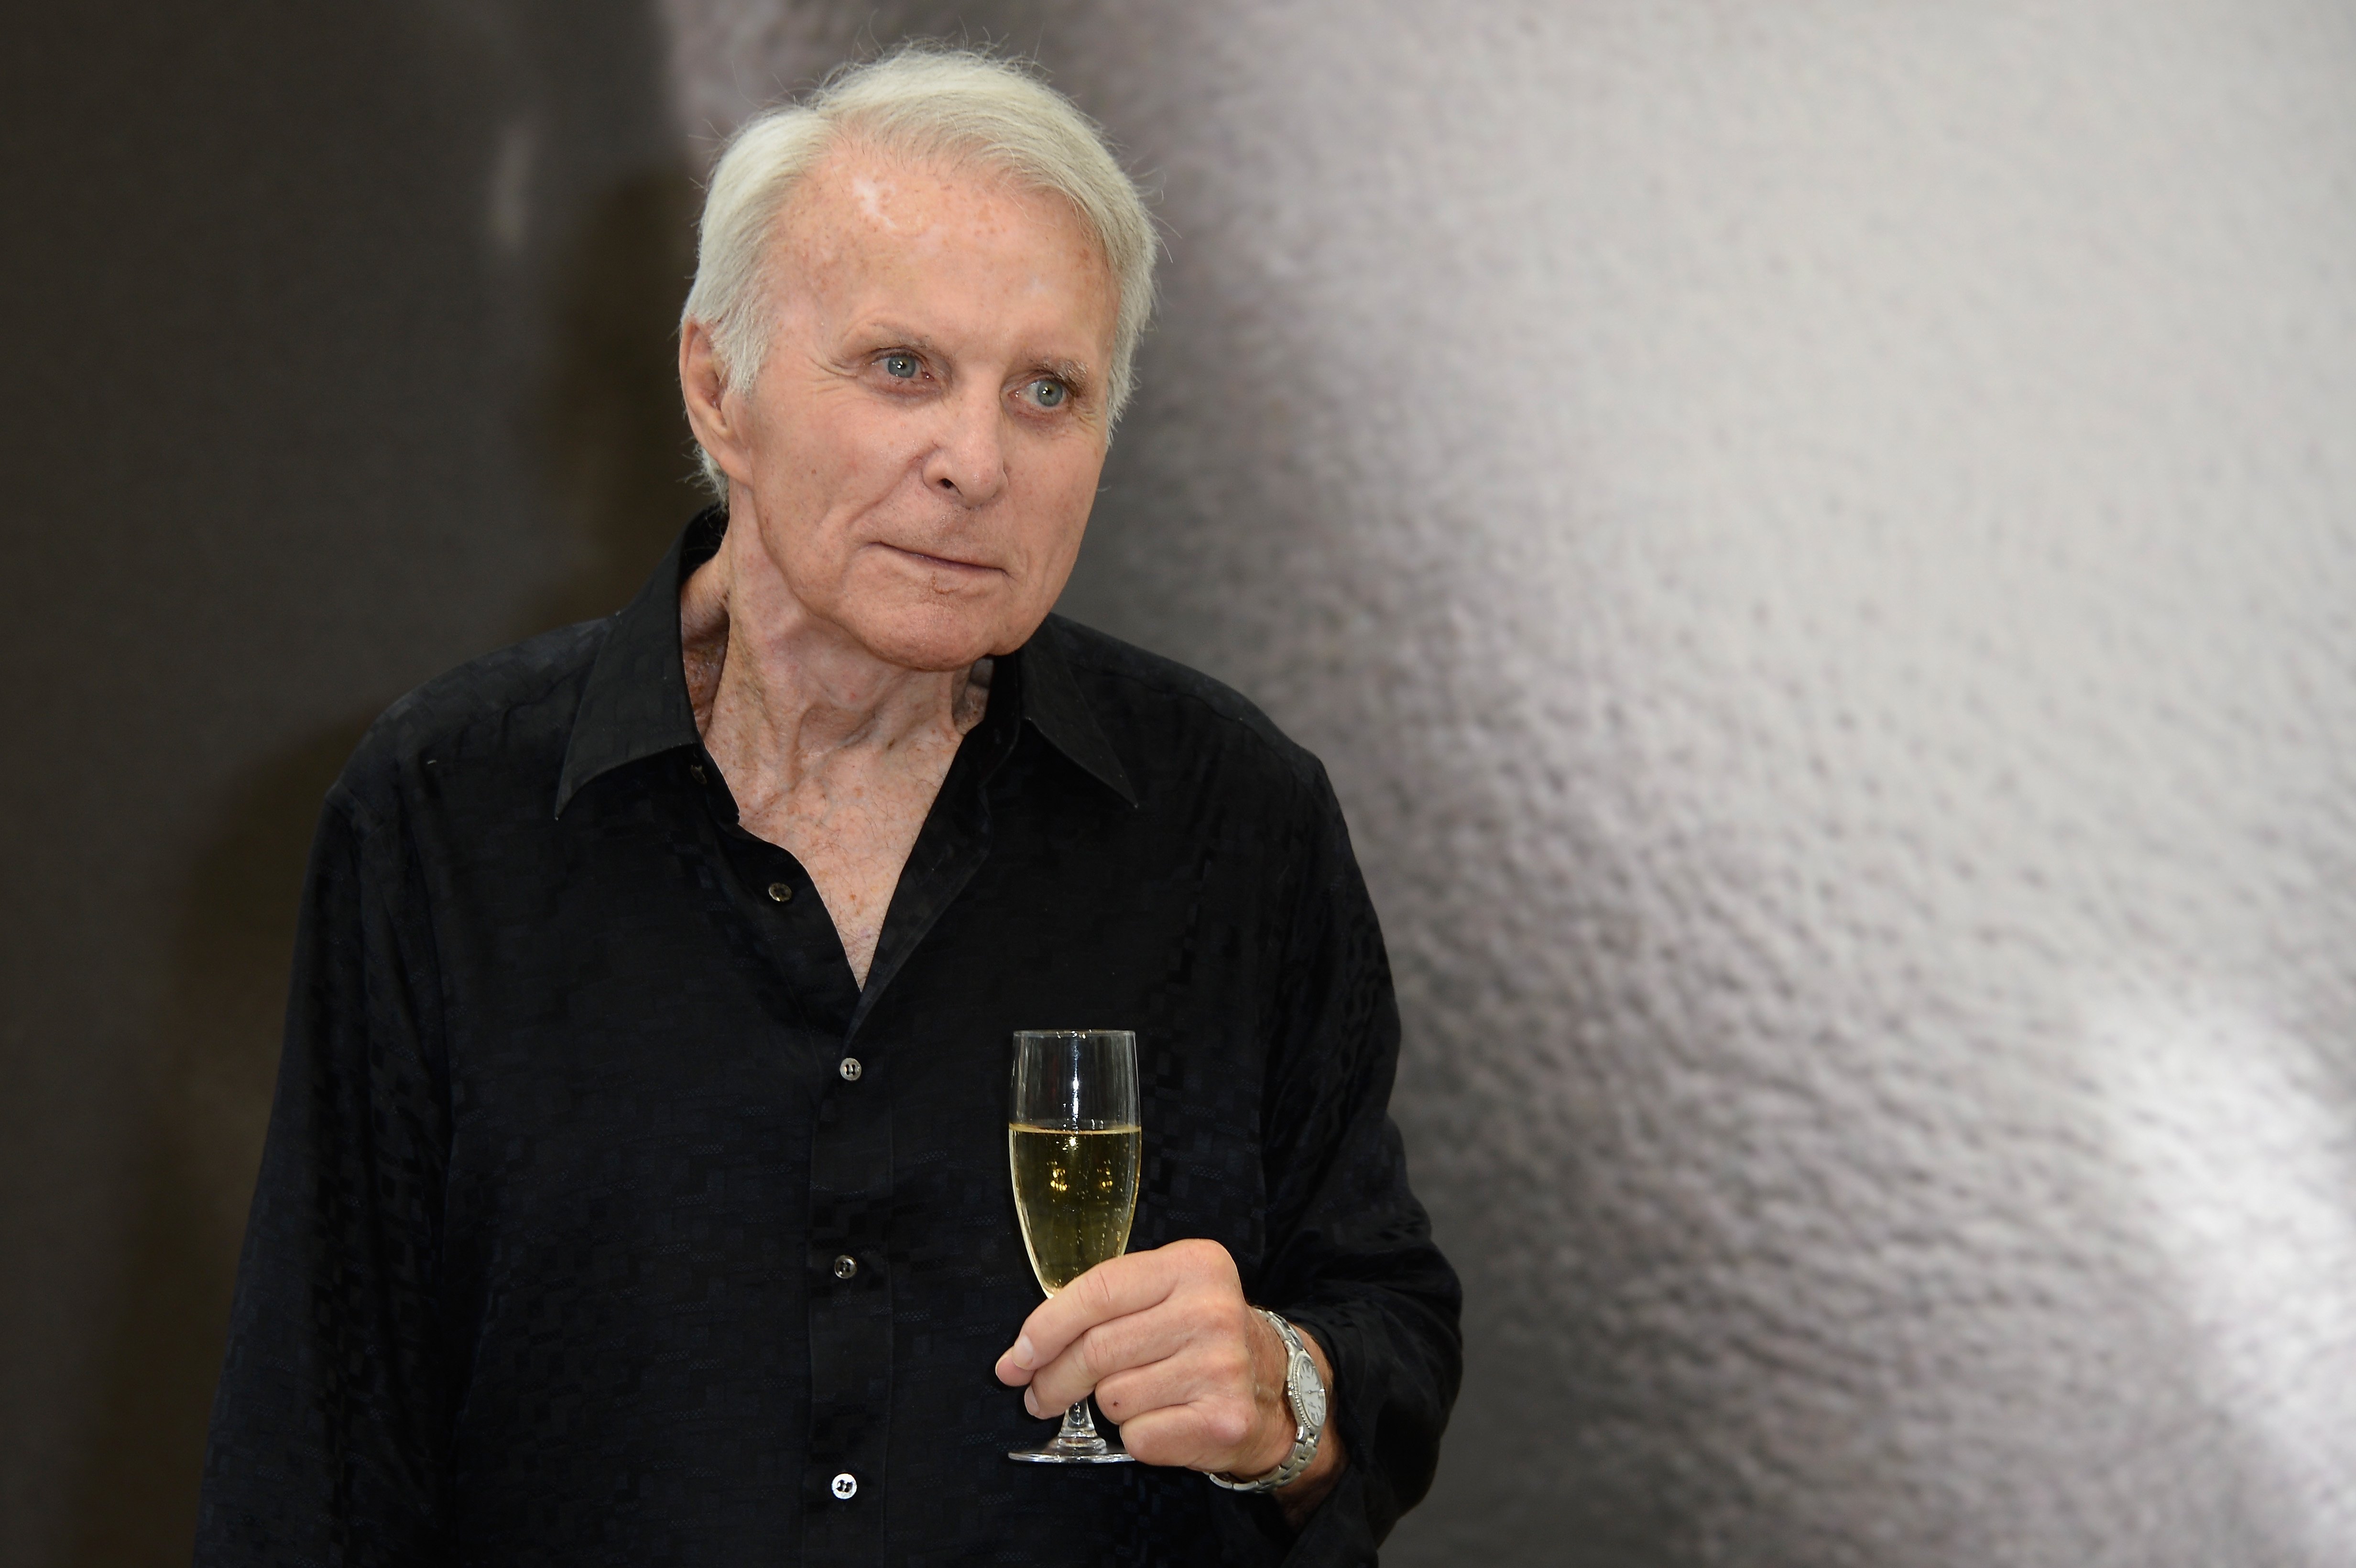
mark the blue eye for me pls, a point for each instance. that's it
(900, 367)
(1048, 392)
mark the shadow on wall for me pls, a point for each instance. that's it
(611, 438)
(136, 1500)
(614, 459)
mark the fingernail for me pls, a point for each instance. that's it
(1031, 1401)
(1023, 1355)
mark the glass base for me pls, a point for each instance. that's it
(1051, 1454)
(1077, 1443)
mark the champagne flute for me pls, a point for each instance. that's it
(1073, 1141)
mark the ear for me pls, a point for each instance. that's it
(714, 411)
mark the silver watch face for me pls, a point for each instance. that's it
(1306, 1390)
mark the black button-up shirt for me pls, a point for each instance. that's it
(604, 1217)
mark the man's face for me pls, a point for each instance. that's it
(922, 444)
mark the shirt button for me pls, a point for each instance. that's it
(782, 892)
(849, 1069)
(846, 1487)
(845, 1267)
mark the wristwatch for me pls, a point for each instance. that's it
(1304, 1392)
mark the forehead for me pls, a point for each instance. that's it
(865, 220)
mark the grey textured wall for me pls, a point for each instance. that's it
(1818, 540)
(1821, 543)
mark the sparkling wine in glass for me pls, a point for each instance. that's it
(1073, 1141)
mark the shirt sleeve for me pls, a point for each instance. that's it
(1350, 1257)
(330, 1430)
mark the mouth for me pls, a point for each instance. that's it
(944, 562)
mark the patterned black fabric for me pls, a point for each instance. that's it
(542, 1263)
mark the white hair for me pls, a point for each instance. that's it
(921, 100)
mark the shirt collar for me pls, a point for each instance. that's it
(635, 705)
(1054, 705)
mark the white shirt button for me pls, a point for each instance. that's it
(849, 1069)
(846, 1487)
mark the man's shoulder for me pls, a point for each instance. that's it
(514, 707)
(1149, 703)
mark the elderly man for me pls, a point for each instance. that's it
(637, 1186)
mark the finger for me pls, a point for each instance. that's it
(1200, 1437)
(1114, 1288)
(1138, 1340)
(1210, 1326)
(1199, 1343)
(1200, 1375)
(1169, 1328)
(1071, 1312)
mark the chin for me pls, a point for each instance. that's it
(932, 640)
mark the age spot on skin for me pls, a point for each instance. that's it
(871, 193)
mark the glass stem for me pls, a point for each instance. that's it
(1078, 1430)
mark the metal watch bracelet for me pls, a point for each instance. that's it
(1305, 1396)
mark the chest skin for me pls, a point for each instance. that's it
(853, 852)
(850, 818)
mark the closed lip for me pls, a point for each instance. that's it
(950, 561)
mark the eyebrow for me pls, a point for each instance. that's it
(1071, 372)
(878, 334)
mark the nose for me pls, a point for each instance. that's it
(969, 459)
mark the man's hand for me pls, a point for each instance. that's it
(1174, 1355)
